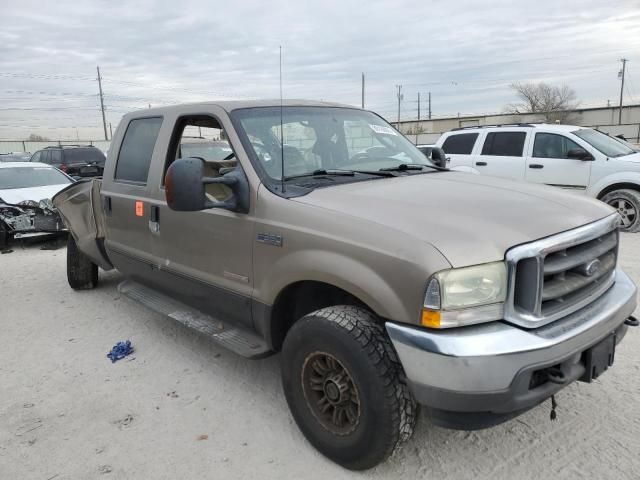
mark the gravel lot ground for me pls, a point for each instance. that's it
(181, 407)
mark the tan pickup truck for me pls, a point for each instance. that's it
(385, 280)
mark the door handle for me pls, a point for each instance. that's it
(106, 205)
(481, 164)
(154, 219)
(154, 214)
(535, 165)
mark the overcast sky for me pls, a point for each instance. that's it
(466, 53)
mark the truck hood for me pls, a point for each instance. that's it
(470, 219)
(17, 195)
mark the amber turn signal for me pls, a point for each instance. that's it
(430, 319)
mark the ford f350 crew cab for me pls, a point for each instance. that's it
(385, 281)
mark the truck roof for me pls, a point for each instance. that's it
(230, 105)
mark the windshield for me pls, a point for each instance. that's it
(26, 177)
(209, 151)
(628, 144)
(603, 143)
(323, 139)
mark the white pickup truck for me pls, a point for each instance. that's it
(576, 158)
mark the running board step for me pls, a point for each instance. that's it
(238, 341)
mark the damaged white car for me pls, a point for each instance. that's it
(26, 210)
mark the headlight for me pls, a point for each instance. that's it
(464, 296)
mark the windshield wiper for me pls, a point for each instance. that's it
(342, 173)
(323, 173)
(403, 167)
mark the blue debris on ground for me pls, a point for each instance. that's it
(120, 350)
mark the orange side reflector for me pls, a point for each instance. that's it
(430, 319)
(139, 208)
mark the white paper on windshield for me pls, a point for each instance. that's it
(382, 129)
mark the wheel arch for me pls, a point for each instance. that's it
(618, 186)
(300, 298)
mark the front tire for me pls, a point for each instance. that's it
(627, 203)
(345, 386)
(82, 273)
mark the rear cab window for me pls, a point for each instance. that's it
(504, 144)
(136, 150)
(460, 144)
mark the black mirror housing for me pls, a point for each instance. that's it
(579, 154)
(438, 157)
(185, 187)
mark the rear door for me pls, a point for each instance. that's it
(125, 197)
(458, 147)
(502, 154)
(548, 163)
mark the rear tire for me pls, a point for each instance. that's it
(82, 273)
(346, 387)
(627, 203)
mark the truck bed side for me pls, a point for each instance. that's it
(81, 209)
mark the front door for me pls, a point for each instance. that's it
(205, 258)
(548, 163)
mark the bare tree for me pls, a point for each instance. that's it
(37, 138)
(555, 103)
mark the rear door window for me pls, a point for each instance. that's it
(460, 144)
(36, 157)
(504, 144)
(56, 157)
(136, 150)
(45, 156)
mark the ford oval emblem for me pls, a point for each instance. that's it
(591, 268)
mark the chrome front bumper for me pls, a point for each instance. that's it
(488, 367)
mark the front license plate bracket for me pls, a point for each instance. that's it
(599, 358)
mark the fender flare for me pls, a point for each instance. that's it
(338, 270)
(612, 179)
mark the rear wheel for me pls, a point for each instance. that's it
(627, 203)
(345, 386)
(82, 273)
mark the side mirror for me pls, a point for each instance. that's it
(579, 154)
(185, 187)
(438, 157)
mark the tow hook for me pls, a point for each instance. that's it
(632, 321)
(555, 375)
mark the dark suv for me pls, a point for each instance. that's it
(74, 160)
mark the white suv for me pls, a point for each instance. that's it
(577, 158)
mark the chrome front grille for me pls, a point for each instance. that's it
(555, 276)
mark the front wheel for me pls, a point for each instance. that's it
(345, 386)
(627, 203)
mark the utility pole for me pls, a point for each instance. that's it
(104, 119)
(429, 106)
(399, 100)
(362, 89)
(624, 65)
(110, 131)
(418, 106)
